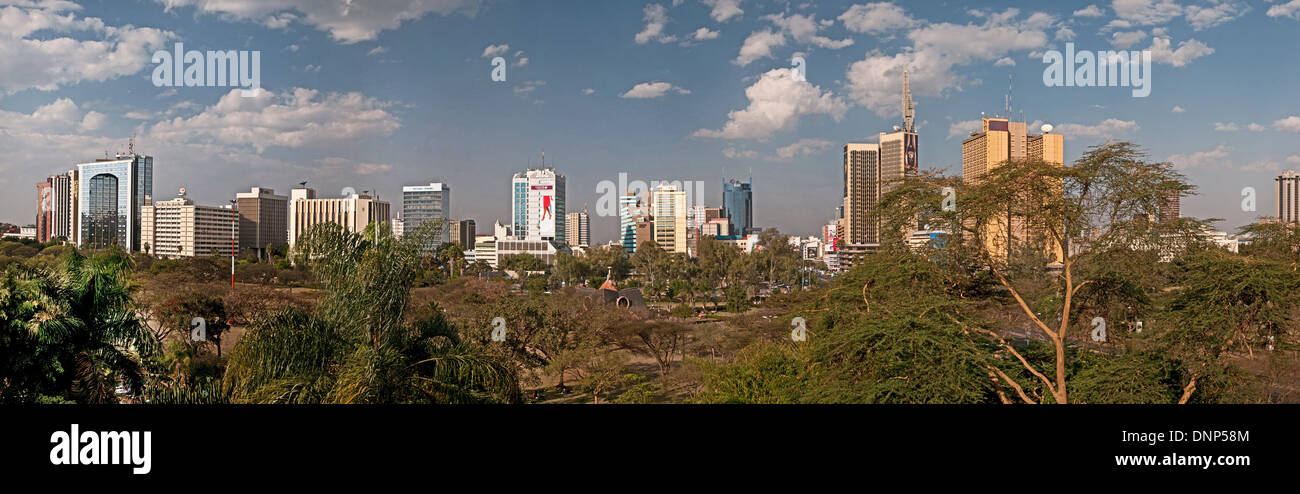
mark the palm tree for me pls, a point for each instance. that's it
(358, 346)
(84, 319)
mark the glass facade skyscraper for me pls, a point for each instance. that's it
(427, 203)
(738, 206)
(111, 193)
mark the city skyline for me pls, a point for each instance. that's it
(682, 90)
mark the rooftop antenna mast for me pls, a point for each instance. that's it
(130, 145)
(909, 111)
(1010, 82)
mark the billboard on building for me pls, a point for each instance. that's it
(546, 218)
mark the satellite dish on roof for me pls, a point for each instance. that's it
(1047, 128)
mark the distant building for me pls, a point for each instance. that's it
(353, 213)
(1286, 196)
(263, 220)
(63, 204)
(398, 226)
(463, 232)
(111, 193)
(630, 212)
(668, 209)
(44, 212)
(1171, 208)
(485, 249)
(578, 225)
(179, 228)
(1001, 141)
(423, 204)
(738, 206)
(537, 204)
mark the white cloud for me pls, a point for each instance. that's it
(1110, 127)
(1065, 34)
(803, 147)
(1262, 166)
(347, 21)
(876, 18)
(1126, 39)
(1146, 12)
(69, 49)
(92, 121)
(1200, 159)
(495, 51)
(1187, 51)
(1205, 17)
(1089, 11)
(734, 153)
(527, 87)
(803, 29)
(1290, 9)
(587, 91)
(1293, 159)
(378, 50)
(61, 115)
(776, 101)
(1288, 124)
(1225, 127)
(647, 90)
(758, 45)
(1178, 109)
(656, 17)
(703, 34)
(876, 81)
(1005, 62)
(963, 128)
(724, 10)
(296, 119)
(1254, 127)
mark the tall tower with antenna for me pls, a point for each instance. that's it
(909, 111)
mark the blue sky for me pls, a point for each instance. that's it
(379, 94)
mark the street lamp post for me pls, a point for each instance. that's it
(234, 215)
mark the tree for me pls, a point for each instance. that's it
(80, 325)
(1073, 214)
(358, 346)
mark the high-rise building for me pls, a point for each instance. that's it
(1001, 141)
(871, 170)
(354, 212)
(180, 228)
(630, 211)
(463, 233)
(861, 194)
(668, 208)
(110, 195)
(537, 205)
(397, 226)
(578, 226)
(1171, 207)
(738, 205)
(1286, 197)
(423, 204)
(44, 211)
(263, 220)
(63, 203)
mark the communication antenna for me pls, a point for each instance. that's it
(1010, 81)
(130, 145)
(909, 110)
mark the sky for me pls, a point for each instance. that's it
(378, 94)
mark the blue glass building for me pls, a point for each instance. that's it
(110, 194)
(738, 206)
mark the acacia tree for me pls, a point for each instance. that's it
(1076, 216)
